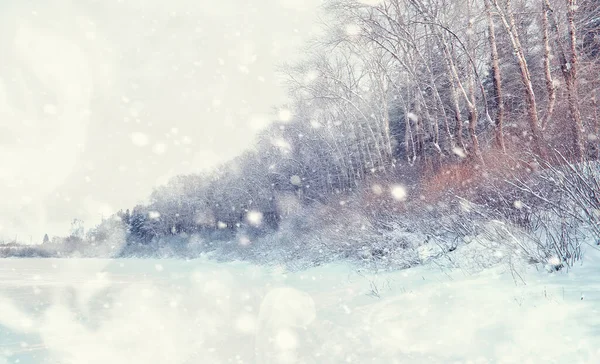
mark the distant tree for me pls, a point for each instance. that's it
(46, 239)
(77, 229)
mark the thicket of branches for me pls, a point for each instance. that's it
(403, 92)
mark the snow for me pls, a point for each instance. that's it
(398, 192)
(285, 115)
(459, 152)
(139, 139)
(154, 215)
(175, 311)
(254, 217)
(159, 148)
(296, 180)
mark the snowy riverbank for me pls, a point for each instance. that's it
(159, 311)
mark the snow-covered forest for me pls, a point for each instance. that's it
(413, 125)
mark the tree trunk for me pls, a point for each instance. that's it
(472, 102)
(596, 137)
(498, 99)
(570, 71)
(550, 87)
(568, 66)
(454, 94)
(508, 20)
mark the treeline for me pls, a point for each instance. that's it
(400, 92)
(291, 167)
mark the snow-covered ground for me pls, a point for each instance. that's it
(171, 311)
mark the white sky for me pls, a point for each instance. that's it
(100, 100)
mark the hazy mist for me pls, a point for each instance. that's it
(102, 100)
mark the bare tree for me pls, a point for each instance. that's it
(498, 99)
(570, 72)
(550, 86)
(568, 64)
(472, 103)
(508, 20)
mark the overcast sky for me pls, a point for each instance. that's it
(100, 100)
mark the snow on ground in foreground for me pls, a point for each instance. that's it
(166, 311)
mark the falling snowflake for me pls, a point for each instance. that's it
(315, 124)
(284, 115)
(245, 241)
(246, 324)
(254, 217)
(139, 139)
(377, 189)
(154, 215)
(412, 116)
(296, 180)
(459, 152)
(286, 340)
(159, 148)
(398, 192)
(282, 144)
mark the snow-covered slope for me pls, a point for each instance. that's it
(169, 311)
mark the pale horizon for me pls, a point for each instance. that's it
(102, 101)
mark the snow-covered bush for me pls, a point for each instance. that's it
(545, 218)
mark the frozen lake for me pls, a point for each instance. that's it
(172, 311)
